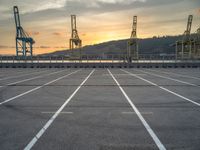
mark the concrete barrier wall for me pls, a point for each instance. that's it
(101, 65)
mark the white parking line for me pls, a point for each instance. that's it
(35, 72)
(46, 126)
(143, 113)
(29, 79)
(21, 81)
(146, 125)
(36, 88)
(63, 112)
(121, 74)
(163, 88)
(169, 78)
(177, 74)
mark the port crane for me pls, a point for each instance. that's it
(24, 43)
(75, 42)
(132, 44)
(184, 47)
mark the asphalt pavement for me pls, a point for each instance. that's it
(100, 109)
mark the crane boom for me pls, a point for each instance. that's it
(134, 28)
(17, 20)
(189, 25)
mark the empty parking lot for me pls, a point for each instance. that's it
(100, 109)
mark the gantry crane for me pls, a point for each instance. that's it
(184, 47)
(132, 44)
(198, 34)
(75, 42)
(196, 40)
(198, 30)
(24, 43)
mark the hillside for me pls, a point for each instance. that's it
(155, 45)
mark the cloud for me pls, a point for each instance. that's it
(97, 20)
(198, 11)
(119, 1)
(60, 47)
(3, 46)
(49, 4)
(30, 6)
(44, 47)
(6, 47)
(57, 33)
(55, 9)
(34, 33)
(56, 4)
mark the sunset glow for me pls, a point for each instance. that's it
(97, 20)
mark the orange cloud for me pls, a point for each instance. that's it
(34, 33)
(44, 47)
(5, 47)
(60, 47)
(197, 11)
(84, 34)
(57, 33)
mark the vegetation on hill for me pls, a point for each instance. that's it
(155, 45)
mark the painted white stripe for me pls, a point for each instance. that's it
(121, 74)
(185, 98)
(143, 113)
(63, 112)
(146, 125)
(20, 95)
(163, 88)
(169, 78)
(21, 81)
(35, 72)
(34, 89)
(46, 126)
(177, 74)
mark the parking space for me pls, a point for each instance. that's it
(100, 109)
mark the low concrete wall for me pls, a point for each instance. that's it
(101, 65)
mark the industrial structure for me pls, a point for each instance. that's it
(75, 42)
(132, 44)
(189, 46)
(197, 43)
(184, 46)
(24, 43)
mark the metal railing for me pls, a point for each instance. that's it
(145, 58)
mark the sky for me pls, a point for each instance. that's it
(48, 21)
